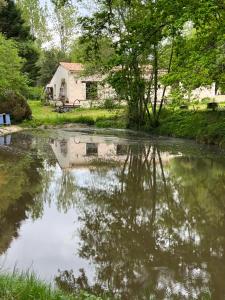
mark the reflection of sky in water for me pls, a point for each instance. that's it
(51, 242)
(87, 179)
(166, 251)
(47, 245)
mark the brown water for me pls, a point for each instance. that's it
(114, 213)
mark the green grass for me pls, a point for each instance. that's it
(203, 126)
(28, 287)
(195, 123)
(44, 115)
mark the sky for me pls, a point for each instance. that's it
(84, 8)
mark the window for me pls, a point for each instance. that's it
(91, 149)
(121, 149)
(91, 90)
(63, 147)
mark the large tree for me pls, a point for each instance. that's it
(48, 63)
(64, 20)
(11, 77)
(13, 26)
(199, 58)
(138, 31)
(36, 17)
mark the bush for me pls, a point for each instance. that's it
(109, 104)
(112, 122)
(206, 100)
(16, 105)
(35, 93)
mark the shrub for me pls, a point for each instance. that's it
(35, 93)
(16, 105)
(109, 104)
(206, 100)
(113, 122)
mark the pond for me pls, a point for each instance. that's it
(114, 212)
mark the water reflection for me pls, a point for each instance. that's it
(20, 181)
(5, 140)
(148, 219)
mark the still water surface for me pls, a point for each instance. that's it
(114, 213)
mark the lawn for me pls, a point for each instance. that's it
(44, 115)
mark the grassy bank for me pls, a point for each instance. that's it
(28, 287)
(199, 124)
(44, 115)
(203, 126)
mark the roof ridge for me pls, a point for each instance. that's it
(71, 66)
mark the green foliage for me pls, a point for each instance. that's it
(27, 286)
(206, 100)
(35, 93)
(35, 17)
(137, 31)
(44, 115)
(109, 104)
(13, 26)
(48, 64)
(16, 105)
(204, 126)
(94, 54)
(117, 121)
(11, 77)
(199, 51)
(176, 96)
(30, 54)
(64, 20)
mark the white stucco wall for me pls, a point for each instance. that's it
(76, 89)
(60, 74)
(76, 86)
(204, 92)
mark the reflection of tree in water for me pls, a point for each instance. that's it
(158, 233)
(20, 182)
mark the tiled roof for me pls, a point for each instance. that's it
(72, 66)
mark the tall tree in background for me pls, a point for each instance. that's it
(64, 21)
(199, 55)
(48, 63)
(36, 17)
(13, 26)
(137, 30)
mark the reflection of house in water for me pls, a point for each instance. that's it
(73, 152)
(82, 151)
